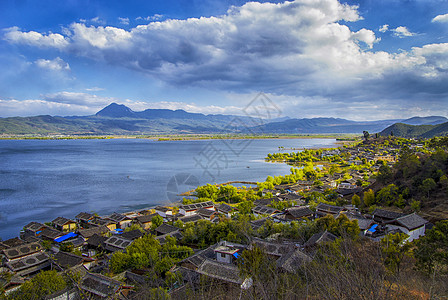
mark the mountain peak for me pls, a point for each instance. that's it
(115, 110)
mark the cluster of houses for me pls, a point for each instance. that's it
(40, 245)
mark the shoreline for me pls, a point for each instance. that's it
(177, 137)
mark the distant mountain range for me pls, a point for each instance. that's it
(120, 119)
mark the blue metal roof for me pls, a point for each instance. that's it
(65, 237)
(373, 228)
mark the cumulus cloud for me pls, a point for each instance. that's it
(56, 64)
(440, 18)
(402, 31)
(33, 38)
(305, 50)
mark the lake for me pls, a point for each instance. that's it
(43, 179)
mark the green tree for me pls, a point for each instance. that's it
(394, 249)
(41, 285)
(356, 200)
(428, 185)
(369, 198)
(156, 221)
(432, 249)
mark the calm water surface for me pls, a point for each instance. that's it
(41, 180)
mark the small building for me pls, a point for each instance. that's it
(298, 213)
(226, 253)
(64, 260)
(266, 201)
(264, 210)
(293, 261)
(33, 229)
(120, 220)
(323, 209)
(275, 250)
(87, 233)
(116, 243)
(84, 218)
(225, 209)
(111, 225)
(191, 218)
(384, 216)
(51, 234)
(29, 264)
(318, 239)
(166, 229)
(145, 221)
(164, 211)
(413, 225)
(64, 224)
(190, 209)
(102, 287)
(207, 214)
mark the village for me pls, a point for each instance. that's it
(90, 245)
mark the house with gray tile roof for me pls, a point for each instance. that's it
(413, 225)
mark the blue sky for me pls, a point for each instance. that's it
(360, 60)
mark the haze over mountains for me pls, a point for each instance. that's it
(120, 119)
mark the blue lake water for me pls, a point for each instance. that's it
(43, 179)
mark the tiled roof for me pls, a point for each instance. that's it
(145, 218)
(264, 210)
(34, 226)
(319, 238)
(84, 216)
(332, 209)
(291, 262)
(271, 248)
(165, 228)
(299, 212)
(386, 214)
(51, 233)
(22, 250)
(115, 243)
(191, 218)
(132, 235)
(100, 285)
(61, 221)
(96, 240)
(67, 260)
(266, 201)
(28, 262)
(116, 217)
(411, 221)
(221, 271)
(225, 208)
(13, 242)
(176, 234)
(196, 206)
(86, 233)
(205, 212)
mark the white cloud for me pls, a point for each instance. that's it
(441, 18)
(124, 21)
(305, 50)
(156, 17)
(95, 89)
(9, 108)
(97, 20)
(384, 28)
(82, 99)
(56, 64)
(402, 31)
(33, 38)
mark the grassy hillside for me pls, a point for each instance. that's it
(416, 131)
